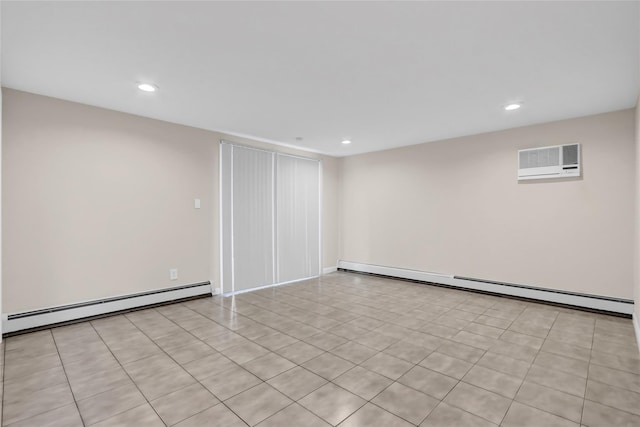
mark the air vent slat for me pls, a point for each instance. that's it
(549, 162)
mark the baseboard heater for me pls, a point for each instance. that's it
(592, 302)
(16, 322)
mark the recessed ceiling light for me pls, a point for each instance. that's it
(346, 141)
(512, 107)
(147, 87)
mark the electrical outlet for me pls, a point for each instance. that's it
(216, 291)
(173, 274)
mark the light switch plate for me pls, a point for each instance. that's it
(173, 274)
(196, 203)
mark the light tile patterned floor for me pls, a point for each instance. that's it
(346, 349)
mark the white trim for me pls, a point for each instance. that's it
(328, 270)
(220, 217)
(268, 141)
(273, 285)
(549, 295)
(636, 328)
(101, 307)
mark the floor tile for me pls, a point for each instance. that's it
(35, 403)
(488, 331)
(476, 352)
(19, 367)
(428, 381)
(406, 403)
(520, 415)
(553, 401)
(446, 415)
(110, 403)
(376, 340)
(597, 415)
(275, 341)
(362, 382)
(447, 365)
(184, 403)
(515, 351)
(244, 353)
(299, 352)
(141, 416)
(568, 350)
(372, 416)
(325, 340)
(332, 403)
(328, 366)
(474, 340)
(557, 380)
(562, 363)
(66, 416)
(493, 321)
(216, 416)
(150, 366)
(461, 351)
(522, 339)
(190, 352)
(485, 404)
(99, 382)
(354, 352)
(226, 384)
(166, 382)
(387, 365)
(408, 352)
(297, 382)
(623, 363)
(294, 415)
(615, 397)
(497, 382)
(268, 366)
(614, 377)
(258, 403)
(20, 387)
(505, 364)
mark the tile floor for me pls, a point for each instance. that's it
(346, 349)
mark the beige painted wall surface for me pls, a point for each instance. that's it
(98, 203)
(456, 207)
(637, 222)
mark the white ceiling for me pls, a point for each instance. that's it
(383, 74)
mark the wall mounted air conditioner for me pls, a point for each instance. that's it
(560, 161)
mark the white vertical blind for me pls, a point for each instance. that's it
(226, 203)
(270, 213)
(252, 218)
(298, 219)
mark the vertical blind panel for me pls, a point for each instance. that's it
(298, 218)
(226, 154)
(252, 193)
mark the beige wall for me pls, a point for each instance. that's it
(456, 207)
(636, 284)
(98, 203)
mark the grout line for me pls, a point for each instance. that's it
(529, 369)
(194, 378)
(586, 383)
(75, 401)
(127, 374)
(312, 299)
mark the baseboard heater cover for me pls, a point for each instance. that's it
(50, 316)
(594, 302)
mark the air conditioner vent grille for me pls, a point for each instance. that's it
(559, 161)
(570, 154)
(540, 158)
